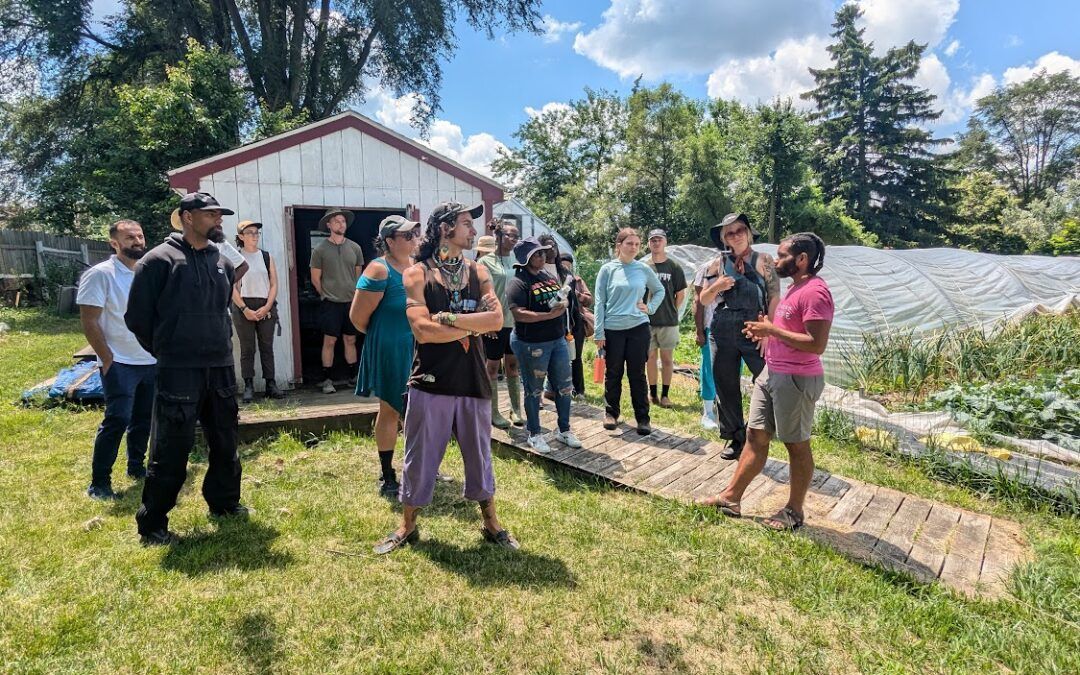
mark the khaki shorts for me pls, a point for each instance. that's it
(783, 405)
(663, 337)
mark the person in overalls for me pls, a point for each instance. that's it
(747, 286)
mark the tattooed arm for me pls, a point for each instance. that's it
(767, 268)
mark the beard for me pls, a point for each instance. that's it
(786, 270)
(133, 253)
(216, 234)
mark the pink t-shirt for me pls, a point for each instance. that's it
(807, 301)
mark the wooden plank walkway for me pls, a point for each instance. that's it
(970, 552)
(308, 411)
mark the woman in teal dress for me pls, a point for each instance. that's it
(378, 311)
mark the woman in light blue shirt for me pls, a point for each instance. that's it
(622, 326)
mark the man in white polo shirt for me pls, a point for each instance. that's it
(127, 370)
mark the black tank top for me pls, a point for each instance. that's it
(452, 368)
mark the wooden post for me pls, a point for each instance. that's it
(39, 247)
(85, 254)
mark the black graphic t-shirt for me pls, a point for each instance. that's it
(674, 280)
(536, 293)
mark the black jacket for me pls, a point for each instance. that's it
(178, 306)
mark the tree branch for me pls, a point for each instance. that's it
(252, 62)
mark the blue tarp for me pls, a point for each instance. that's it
(88, 391)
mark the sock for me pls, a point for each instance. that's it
(666, 390)
(513, 388)
(386, 458)
(494, 397)
(708, 407)
(652, 390)
(326, 373)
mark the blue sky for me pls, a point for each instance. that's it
(746, 49)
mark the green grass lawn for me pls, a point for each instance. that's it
(607, 580)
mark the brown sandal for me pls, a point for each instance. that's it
(729, 509)
(784, 520)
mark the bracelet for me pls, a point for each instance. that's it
(243, 308)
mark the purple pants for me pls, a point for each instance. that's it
(430, 420)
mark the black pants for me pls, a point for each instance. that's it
(629, 350)
(251, 332)
(184, 396)
(729, 349)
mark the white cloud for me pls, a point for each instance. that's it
(551, 106)
(783, 74)
(955, 102)
(1013, 41)
(555, 29)
(662, 37)
(476, 151)
(953, 47)
(891, 23)
(1053, 62)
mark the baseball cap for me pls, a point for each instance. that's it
(657, 233)
(448, 211)
(245, 224)
(393, 224)
(196, 201)
(524, 249)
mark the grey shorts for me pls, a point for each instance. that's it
(663, 337)
(783, 405)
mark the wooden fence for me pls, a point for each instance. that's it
(24, 254)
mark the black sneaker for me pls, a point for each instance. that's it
(389, 486)
(249, 394)
(502, 539)
(234, 511)
(102, 493)
(161, 537)
(136, 472)
(272, 390)
(644, 428)
(732, 451)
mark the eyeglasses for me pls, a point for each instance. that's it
(736, 233)
(251, 234)
(408, 236)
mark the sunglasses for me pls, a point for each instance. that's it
(407, 236)
(251, 234)
(736, 233)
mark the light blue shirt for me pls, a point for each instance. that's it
(619, 288)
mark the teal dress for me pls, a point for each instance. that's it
(387, 358)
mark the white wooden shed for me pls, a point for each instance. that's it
(288, 181)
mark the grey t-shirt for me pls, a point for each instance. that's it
(338, 263)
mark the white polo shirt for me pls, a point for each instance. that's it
(107, 285)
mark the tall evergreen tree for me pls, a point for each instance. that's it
(871, 151)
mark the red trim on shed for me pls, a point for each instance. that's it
(189, 179)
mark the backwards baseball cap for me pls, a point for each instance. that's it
(390, 225)
(716, 230)
(196, 201)
(524, 249)
(448, 211)
(653, 234)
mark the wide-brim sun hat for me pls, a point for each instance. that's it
(486, 244)
(717, 230)
(349, 215)
(526, 249)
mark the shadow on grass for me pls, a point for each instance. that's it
(233, 544)
(257, 640)
(485, 565)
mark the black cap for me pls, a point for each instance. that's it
(524, 249)
(448, 211)
(202, 201)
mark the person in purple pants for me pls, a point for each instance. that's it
(450, 304)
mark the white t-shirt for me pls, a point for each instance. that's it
(699, 282)
(107, 285)
(256, 283)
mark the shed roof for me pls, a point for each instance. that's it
(187, 177)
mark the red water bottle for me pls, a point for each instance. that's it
(599, 367)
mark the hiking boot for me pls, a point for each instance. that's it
(249, 392)
(644, 428)
(272, 390)
(610, 422)
(539, 444)
(389, 486)
(235, 511)
(136, 472)
(654, 400)
(515, 418)
(665, 402)
(159, 537)
(328, 386)
(102, 493)
(499, 422)
(732, 451)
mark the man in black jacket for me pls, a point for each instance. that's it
(178, 310)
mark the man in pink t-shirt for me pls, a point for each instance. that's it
(785, 393)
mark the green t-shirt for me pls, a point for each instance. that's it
(338, 263)
(501, 269)
(673, 279)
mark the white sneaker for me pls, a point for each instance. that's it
(538, 444)
(708, 422)
(328, 387)
(568, 438)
